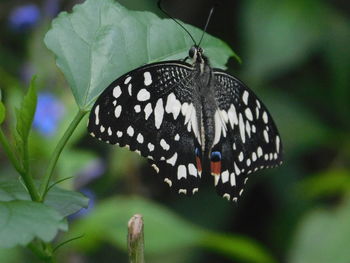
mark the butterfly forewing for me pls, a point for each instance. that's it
(246, 138)
(150, 110)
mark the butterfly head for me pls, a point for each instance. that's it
(196, 54)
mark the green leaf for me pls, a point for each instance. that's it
(25, 114)
(12, 255)
(323, 237)
(237, 247)
(22, 221)
(65, 202)
(165, 232)
(325, 184)
(2, 112)
(279, 39)
(101, 40)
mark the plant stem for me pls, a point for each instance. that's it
(28, 180)
(136, 240)
(9, 153)
(57, 152)
(39, 252)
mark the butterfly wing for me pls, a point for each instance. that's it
(246, 138)
(150, 111)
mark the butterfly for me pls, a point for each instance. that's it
(190, 120)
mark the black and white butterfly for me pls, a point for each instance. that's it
(190, 121)
(183, 117)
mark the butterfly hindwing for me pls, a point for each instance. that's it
(150, 111)
(245, 136)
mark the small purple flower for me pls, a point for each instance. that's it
(24, 17)
(49, 112)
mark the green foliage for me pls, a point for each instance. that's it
(2, 112)
(165, 232)
(25, 117)
(296, 59)
(25, 114)
(22, 221)
(65, 202)
(323, 237)
(2, 109)
(325, 184)
(282, 35)
(96, 44)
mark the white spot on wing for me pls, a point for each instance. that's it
(225, 176)
(232, 116)
(181, 172)
(248, 114)
(173, 105)
(177, 137)
(137, 108)
(233, 179)
(184, 108)
(168, 181)
(148, 110)
(264, 116)
(278, 144)
(245, 97)
(192, 169)
(254, 156)
(148, 78)
(157, 169)
(119, 134)
(140, 138)
(164, 145)
(241, 128)
(237, 170)
(127, 80)
(247, 128)
(219, 127)
(227, 196)
(266, 136)
(240, 156)
(143, 95)
(117, 92)
(150, 147)
(172, 160)
(109, 131)
(130, 131)
(118, 111)
(97, 119)
(158, 113)
(182, 191)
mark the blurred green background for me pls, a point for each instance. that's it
(295, 56)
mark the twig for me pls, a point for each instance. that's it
(135, 239)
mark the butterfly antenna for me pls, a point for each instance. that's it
(206, 24)
(177, 22)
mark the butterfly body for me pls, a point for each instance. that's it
(190, 120)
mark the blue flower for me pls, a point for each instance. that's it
(24, 17)
(49, 112)
(85, 211)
